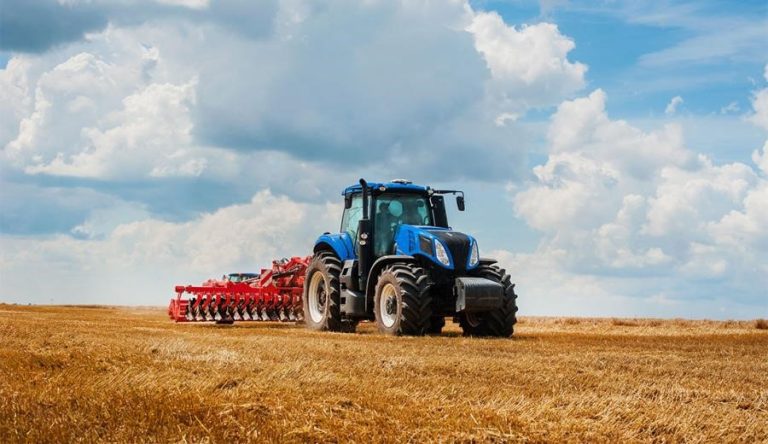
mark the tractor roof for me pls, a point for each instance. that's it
(396, 185)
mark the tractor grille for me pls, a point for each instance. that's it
(458, 245)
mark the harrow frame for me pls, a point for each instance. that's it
(275, 295)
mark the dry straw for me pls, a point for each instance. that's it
(120, 375)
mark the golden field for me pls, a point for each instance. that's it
(130, 375)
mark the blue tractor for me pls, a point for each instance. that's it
(396, 262)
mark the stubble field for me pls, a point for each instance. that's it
(130, 375)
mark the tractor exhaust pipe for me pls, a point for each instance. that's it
(364, 186)
(364, 239)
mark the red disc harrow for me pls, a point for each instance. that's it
(274, 295)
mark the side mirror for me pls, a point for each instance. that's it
(460, 202)
(347, 201)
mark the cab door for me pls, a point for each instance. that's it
(351, 218)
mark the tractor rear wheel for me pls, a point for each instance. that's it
(499, 322)
(402, 303)
(321, 298)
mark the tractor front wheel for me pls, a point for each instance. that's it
(402, 303)
(321, 298)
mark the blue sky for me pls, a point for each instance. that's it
(613, 153)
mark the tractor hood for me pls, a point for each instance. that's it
(449, 249)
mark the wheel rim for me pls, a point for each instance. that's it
(472, 319)
(388, 305)
(317, 297)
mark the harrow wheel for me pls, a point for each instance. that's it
(322, 293)
(402, 302)
(499, 322)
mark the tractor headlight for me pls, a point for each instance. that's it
(474, 257)
(441, 254)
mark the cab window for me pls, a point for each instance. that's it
(352, 216)
(393, 210)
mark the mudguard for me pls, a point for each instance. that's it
(339, 243)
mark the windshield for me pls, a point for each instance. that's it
(392, 210)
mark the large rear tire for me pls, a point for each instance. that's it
(500, 322)
(402, 304)
(321, 298)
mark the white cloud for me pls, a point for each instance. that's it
(529, 65)
(546, 287)
(761, 160)
(15, 100)
(246, 96)
(96, 119)
(581, 125)
(673, 104)
(147, 136)
(732, 107)
(192, 4)
(744, 229)
(416, 77)
(567, 185)
(759, 117)
(615, 203)
(503, 118)
(760, 105)
(140, 262)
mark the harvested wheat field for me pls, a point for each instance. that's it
(128, 375)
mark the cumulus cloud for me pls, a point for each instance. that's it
(546, 287)
(529, 65)
(759, 117)
(409, 78)
(15, 101)
(139, 128)
(138, 262)
(193, 4)
(761, 159)
(732, 107)
(410, 93)
(81, 126)
(760, 105)
(151, 121)
(673, 104)
(582, 125)
(615, 202)
(189, 107)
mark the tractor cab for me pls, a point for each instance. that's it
(241, 277)
(397, 232)
(392, 205)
